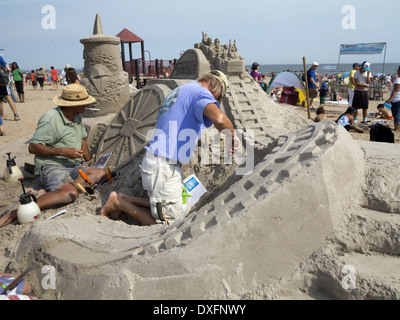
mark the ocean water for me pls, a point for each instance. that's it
(328, 68)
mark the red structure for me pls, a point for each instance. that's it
(289, 96)
(129, 37)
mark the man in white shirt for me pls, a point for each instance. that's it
(362, 79)
(64, 75)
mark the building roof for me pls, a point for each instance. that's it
(128, 36)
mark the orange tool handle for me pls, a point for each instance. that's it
(84, 176)
(109, 174)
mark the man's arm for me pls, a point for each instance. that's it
(218, 117)
(45, 151)
(221, 122)
(86, 153)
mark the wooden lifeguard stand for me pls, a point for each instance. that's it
(127, 36)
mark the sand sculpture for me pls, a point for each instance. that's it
(286, 228)
(104, 77)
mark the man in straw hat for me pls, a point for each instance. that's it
(186, 111)
(60, 147)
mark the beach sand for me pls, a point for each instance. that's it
(17, 140)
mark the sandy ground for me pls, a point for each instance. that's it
(36, 103)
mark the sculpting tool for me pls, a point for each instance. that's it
(8, 268)
(8, 210)
(85, 191)
(84, 176)
(13, 284)
(109, 174)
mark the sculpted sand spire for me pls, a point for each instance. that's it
(104, 77)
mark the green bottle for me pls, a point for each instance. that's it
(186, 206)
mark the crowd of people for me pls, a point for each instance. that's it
(360, 80)
(18, 80)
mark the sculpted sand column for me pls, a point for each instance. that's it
(104, 77)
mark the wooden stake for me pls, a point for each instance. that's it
(307, 94)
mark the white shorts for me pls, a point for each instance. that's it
(163, 183)
(351, 96)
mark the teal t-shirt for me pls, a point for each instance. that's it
(17, 75)
(54, 130)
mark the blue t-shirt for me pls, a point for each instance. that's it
(311, 74)
(180, 122)
(2, 62)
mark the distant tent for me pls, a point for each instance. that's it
(289, 79)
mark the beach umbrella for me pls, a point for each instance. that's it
(344, 75)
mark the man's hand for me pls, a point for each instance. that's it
(72, 153)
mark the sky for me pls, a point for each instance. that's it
(47, 32)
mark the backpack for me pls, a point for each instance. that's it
(381, 133)
(4, 79)
(303, 77)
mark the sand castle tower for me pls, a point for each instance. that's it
(104, 77)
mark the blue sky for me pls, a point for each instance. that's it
(269, 32)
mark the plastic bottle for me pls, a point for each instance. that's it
(12, 172)
(28, 210)
(186, 205)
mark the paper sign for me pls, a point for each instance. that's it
(102, 161)
(57, 214)
(195, 188)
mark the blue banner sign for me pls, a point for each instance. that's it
(362, 48)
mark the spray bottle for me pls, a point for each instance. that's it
(28, 209)
(12, 173)
(186, 206)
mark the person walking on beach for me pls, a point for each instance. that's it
(18, 80)
(40, 78)
(351, 86)
(33, 79)
(312, 83)
(187, 110)
(54, 77)
(64, 74)
(394, 99)
(4, 93)
(362, 79)
(59, 145)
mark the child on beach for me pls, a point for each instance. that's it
(323, 93)
(383, 112)
(347, 120)
(320, 114)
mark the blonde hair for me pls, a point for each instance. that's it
(213, 83)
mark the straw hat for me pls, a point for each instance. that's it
(73, 95)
